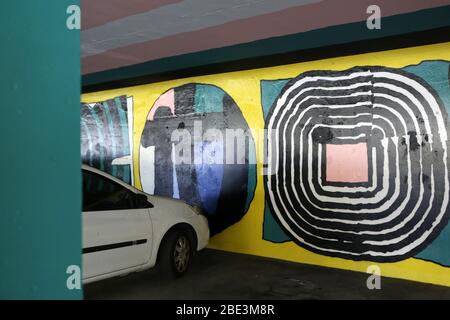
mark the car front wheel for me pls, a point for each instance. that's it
(176, 254)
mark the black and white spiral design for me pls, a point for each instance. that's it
(403, 205)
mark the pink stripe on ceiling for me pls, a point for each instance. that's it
(289, 21)
(97, 12)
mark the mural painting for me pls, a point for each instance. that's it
(353, 169)
(106, 136)
(206, 179)
(358, 163)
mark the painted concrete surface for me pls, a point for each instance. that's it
(171, 19)
(117, 35)
(221, 275)
(345, 178)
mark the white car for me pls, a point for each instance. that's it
(126, 230)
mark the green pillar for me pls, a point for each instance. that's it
(40, 220)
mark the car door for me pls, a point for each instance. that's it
(117, 233)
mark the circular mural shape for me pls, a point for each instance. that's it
(220, 180)
(358, 162)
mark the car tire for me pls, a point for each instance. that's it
(175, 254)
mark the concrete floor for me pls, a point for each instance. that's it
(222, 275)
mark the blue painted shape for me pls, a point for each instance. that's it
(270, 90)
(271, 230)
(208, 98)
(209, 182)
(210, 175)
(435, 73)
(438, 251)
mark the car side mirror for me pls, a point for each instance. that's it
(142, 201)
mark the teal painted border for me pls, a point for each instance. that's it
(394, 25)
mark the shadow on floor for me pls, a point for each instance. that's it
(223, 275)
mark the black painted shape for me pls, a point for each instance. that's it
(163, 112)
(158, 133)
(185, 99)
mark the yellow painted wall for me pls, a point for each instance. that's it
(244, 88)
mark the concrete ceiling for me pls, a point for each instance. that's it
(117, 33)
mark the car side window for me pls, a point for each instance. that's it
(102, 194)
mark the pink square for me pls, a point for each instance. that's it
(347, 163)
